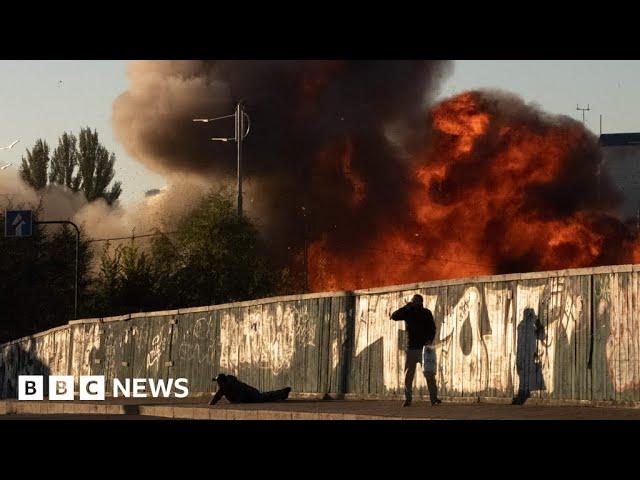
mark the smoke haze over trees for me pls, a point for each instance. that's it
(212, 256)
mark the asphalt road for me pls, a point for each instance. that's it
(450, 411)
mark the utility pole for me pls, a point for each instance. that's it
(306, 250)
(600, 124)
(582, 110)
(240, 134)
(239, 138)
(599, 160)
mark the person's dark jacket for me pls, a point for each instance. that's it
(235, 391)
(421, 328)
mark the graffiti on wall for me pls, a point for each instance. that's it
(573, 337)
(492, 339)
(264, 337)
(617, 310)
(196, 347)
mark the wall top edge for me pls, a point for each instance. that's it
(337, 294)
(35, 336)
(209, 308)
(158, 313)
(571, 272)
(85, 320)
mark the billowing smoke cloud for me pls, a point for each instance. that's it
(98, 219)
(296, 108)
(500, 187)
(320, 130)
(60, 203)
(384, 186)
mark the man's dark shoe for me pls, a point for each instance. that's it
(406, 403)
(287, 391)
(437, 401)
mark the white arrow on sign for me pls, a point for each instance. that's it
(18, 223)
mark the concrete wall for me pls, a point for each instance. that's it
(566, 335)
(622, 163)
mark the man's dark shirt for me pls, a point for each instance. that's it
(421, 328)
(236, 391)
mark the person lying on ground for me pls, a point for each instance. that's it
(236, 391)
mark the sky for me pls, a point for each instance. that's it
(34, 104)
(43, 99)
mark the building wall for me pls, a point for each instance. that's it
(622, 164)
(567, 335)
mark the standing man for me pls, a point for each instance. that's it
(421, 330)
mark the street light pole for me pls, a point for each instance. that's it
(580, 109)
(240, 134)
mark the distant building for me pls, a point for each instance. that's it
(621, 160)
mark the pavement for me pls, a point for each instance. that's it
(304, 409)
(79, 417)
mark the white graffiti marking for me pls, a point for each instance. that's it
(157, 345)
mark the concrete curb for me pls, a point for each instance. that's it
(48, 408)
(191, 412)
(204, 413)
(548, 402)
(176, 412)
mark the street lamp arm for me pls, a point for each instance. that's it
(240, 117)
(65, 222)
(248, 124)
(207, 120)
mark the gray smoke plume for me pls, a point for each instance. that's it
(97, 218)
(328, 139)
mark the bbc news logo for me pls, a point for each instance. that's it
(92, 387)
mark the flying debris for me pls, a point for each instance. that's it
(6, 166)
(9, 147)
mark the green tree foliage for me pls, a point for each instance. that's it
(214, 257)
(34, 168)
(107, 285)
(96, 168)
(125, 282)
(64, 161)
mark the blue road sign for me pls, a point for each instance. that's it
(18, 223)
